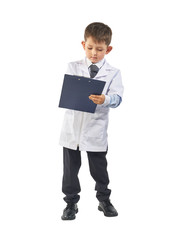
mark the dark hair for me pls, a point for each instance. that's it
(99, 31)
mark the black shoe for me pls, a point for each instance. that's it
(107, 208)
(69, 212)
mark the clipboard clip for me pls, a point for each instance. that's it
(80, 79)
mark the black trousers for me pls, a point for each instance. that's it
(98, 170)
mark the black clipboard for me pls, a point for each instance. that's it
(76, 91)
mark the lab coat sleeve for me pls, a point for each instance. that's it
(114, 94)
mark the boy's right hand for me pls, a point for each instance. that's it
(97, 99)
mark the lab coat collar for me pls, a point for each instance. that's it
(105, 68)
(99, 64)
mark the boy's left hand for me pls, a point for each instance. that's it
(97, 99)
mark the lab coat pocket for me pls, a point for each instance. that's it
(96, 126)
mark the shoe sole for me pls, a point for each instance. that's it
(71, 217)
(107, 215)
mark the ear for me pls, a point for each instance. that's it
(109, 49)
(83, 44)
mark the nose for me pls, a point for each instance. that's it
(94, 52)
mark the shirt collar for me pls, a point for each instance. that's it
(98, 64)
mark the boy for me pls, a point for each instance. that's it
(88, 132)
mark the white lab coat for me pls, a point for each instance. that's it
(89, 130)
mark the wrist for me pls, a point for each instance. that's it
(106, 101)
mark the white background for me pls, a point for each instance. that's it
(38, 39)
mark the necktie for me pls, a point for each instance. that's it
(93, 70)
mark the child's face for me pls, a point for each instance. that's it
(95, 51)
